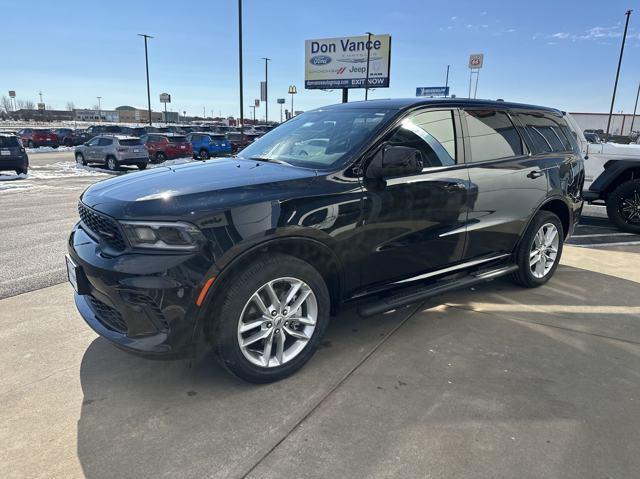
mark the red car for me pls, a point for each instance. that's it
(164, 146)
(35, 137)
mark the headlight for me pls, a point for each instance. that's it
(164, 236)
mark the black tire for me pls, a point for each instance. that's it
(22, 171)
(160, 157)
(522, 256)
(31, 144)
(625, 195)
(203, 154)
(142, 166)
(112, 163)
(66, 142)
(80, 159)
(223, 331)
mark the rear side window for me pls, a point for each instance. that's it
(492, 135)
(130, 142)
(431, 132)
(8, 141)
(105, 142)
(177, 139)
(549, 135)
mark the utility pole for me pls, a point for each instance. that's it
(146, 62)
(633, 118)
(446, 81)
(99, 108)
(240, 71)
(615, 85)
(266, 89)
(254, 113)
(366, 81)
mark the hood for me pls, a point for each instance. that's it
(185, 190)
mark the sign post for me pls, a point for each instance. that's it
(12, 95)
(165, 98)
(281, 102)
(476, 61)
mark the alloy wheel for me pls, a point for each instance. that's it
(277, 322)
(544, 250)
(630, 208)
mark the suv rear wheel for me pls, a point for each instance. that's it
(539, 251)
(623, 206)
(160, 157)
(204, 154)
(112, 163)
(271, 318)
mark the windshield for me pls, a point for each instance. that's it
(318, 139)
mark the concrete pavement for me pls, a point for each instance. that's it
(494, 382)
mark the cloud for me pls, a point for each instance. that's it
(469, 25)
(560, 35)
(483, 13)
(511, 30)
(454, 18)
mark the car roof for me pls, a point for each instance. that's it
(119, 137)
(409, 103)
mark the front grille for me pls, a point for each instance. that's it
(102, 226)
(109, 317)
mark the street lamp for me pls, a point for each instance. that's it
(146, 61)
(366, 81)
(266, 89)
(254, 113)
(292, 91)
(99, 108)
(240, 71)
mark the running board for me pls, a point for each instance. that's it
(404, 298)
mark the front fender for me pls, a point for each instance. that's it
(612, 170)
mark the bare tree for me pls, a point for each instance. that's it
(95, 107)
(25, 104)
(71, 106)
(5, 104)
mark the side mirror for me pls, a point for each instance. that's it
(395, 161)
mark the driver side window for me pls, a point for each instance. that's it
(432, 132)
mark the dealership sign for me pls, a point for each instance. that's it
(342, 62)
(165, 98)
(476, 60)
(432, 91)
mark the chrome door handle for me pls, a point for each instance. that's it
(535, 174)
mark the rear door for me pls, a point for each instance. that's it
(103, 148)
(507, 183)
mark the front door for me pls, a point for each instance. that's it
(414, 224)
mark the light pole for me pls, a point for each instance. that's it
(240, 71)
(99, 108)
(366, 81)
(633, 118)
(292, 91)
(146, 62)
(266, 89)
(254, 113)
(615, 85)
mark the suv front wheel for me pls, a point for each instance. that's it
(623, 206)
(271, 318)
(539, 251)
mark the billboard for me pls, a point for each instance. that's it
(432, 91)
(342, 62)
(165, 98)
(476, 60)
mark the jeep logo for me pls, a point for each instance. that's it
(320, 60)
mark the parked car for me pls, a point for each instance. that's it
(251, 255)
(71, 137)
(36, 137)
(241, 140)
(113, 151)
(206, 145)
(163, 147)
(13, 156)
(612, 177)
(94, 130)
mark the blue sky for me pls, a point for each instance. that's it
(555, 53)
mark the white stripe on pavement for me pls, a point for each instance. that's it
(598, 245)
(598, 235)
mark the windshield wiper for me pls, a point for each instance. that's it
(270, 160)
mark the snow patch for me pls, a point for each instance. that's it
(48, 149)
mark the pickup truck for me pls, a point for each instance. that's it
(612, 178)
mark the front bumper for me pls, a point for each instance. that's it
(143, 303)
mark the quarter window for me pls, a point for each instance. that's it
(431, 132)
(547, 134)
(492, 135)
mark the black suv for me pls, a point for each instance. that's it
(387, 202)
(13, 156)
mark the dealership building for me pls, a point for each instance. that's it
(620, 122)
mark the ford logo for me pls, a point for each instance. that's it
(320, 60)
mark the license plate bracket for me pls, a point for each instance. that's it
(76, 277)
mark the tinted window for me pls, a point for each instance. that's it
(431, 132)
(177, 139)
(93, 142)
(105, 142)
(8, 141)
(548, 134)
(492, 135)
(130, 142)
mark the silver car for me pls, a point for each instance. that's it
(113, 151)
